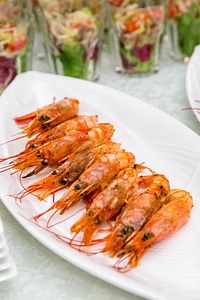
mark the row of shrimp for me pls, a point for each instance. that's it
(138, 209)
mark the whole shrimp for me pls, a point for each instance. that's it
(163, 223)
(100, 172)
(138, 210)
(52, 153)
(107, 204)
(67, 172)
(76, 123)
(48, 116)
(58, 131)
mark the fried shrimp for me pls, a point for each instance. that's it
(67, 172)
(93, 195)
(52, 153)
(107, 204)
(138, 210)
(163, 223)
(64, 128)
(101, 171)
(48, 116)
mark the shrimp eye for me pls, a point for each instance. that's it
(97, 221)
(44, 162)
(38, 154)
(80, 186)
(126, 230)
(32, 146)
(63, 181)
(90, 213)
(44, 126)
(55, 172)
(146, 236)
(43, 118)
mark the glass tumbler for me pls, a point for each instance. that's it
(16, 41)
(136, 29)
(73, 32)
(183, 27)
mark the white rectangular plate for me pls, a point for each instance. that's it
(170, 269)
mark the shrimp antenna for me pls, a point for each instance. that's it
(13, 140)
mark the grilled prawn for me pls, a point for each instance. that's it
(100, 172)
(107, 204)
(65, 128)
(67, 172)
(48, 116)
(52, 153)
(163, 223)
(75, 123)
(138, 210)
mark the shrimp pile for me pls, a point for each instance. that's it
(128, 207)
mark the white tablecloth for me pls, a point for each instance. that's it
(42, 275)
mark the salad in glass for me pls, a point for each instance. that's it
(13, 44)
(136, 37)
(76, 29)
(183, 27)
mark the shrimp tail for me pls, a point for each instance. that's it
(48, 116)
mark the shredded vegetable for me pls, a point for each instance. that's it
(74, 30)
(7, 71)
(184, 17)
(138, 31)
(12, 39)
(13, 44)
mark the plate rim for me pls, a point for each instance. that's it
(188, 79)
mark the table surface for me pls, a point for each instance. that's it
(42, 274)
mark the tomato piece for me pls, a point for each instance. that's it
(158, 13)
(115, 2)
(78, 24)
(146, 16)
(18, 44)
(172, 11)
(131, 26)
(9, 26)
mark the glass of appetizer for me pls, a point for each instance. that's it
(15, 41)
(73, 32)
(136, 29)
(183, 27)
